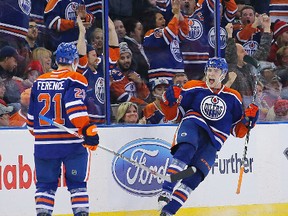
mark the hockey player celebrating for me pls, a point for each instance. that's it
(209, 111)
(59, 95)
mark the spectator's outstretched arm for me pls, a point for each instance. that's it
(113, 38)
(114, 52)
(81, 44)
(263, 50)
(231, 50)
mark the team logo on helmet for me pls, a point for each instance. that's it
(25, 6)
(213, 107)
(175, 50)
(196, 29)
(70, 11)
(250, 47)
(212, 38)
(100, 90)
(217, 62)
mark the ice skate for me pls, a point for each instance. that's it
(163, 199)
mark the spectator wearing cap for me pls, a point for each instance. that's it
(153, 111)
(126, 84)
(19, 118)
(4, 113)
(9, 59)
(280, 34)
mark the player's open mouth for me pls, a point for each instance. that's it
(211, 81)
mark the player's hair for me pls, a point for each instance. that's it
(122, 109)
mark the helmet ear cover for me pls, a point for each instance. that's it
(66, 53)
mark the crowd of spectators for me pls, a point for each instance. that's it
(152, 44)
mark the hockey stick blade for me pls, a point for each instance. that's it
(170, 178)
(183, 174)
(250, 60)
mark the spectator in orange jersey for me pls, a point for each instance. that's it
(19, 118)
(126, 84)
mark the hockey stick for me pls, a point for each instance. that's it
(170, 178)
(250, 60)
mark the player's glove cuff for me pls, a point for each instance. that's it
(171, 95)
(90, 135)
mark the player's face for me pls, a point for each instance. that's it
(131, 116)
(214, 77)
(160, 21)
(125, 61)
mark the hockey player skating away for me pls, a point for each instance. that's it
(59, 95)
(210, 111)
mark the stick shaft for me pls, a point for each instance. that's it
(240, 180)
(170, 178)
(153, 172)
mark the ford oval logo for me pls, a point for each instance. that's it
(153, 153)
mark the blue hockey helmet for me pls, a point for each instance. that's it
(66, 53)
(217, 62)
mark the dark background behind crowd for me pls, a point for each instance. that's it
(152, 44)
